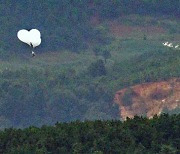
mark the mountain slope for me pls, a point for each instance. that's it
(64, 86)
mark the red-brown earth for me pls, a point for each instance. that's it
(122, 30)
(149, 98)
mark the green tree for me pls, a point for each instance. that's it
(168, 149)
(106, 55)
(97, 68)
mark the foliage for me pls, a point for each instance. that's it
(138, 135)
(127, 98)
(97, 68)
(66, 24)
(48, 95)
(102, 51)
(66, 87)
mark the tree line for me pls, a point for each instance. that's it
(139, 135)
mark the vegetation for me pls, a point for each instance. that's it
(138, 135)
(67, 24)
(45, 96)
(127, 98)
(67, 86)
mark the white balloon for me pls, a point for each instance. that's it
(35, 42)
(35, 32)
(30, 37)
(24, 36)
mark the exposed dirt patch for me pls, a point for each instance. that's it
(121, 30)
(151, 29)
(149, 98)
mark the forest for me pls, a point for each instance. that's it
(79, 65)
(138, 136)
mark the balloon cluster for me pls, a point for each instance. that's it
(32, 37)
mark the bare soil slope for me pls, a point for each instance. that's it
(149, 98)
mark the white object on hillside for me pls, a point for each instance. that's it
(176, 46)
(165, 43)
(170, 45)
(163, 100)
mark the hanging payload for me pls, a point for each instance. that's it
(32, 38)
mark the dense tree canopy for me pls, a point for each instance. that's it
(138, 135)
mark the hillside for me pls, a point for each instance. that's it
(149, 99)
(67, 24)
(81, 64)
(65, 86)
